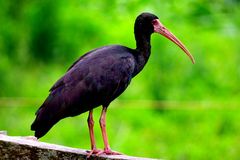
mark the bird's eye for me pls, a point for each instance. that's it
(155, 22)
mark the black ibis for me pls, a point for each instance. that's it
(97, 78)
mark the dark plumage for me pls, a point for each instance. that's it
(97, 78)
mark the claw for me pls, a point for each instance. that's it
(108, 152)
(98, 152)
(91, 152)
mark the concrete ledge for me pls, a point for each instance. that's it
(29, 148)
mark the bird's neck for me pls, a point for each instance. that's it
(143, 48)
(143, 45)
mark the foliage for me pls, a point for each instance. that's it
(179, 133)
(48, 35)
(40, 39)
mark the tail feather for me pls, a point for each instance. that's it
(47, 116)
(59, 104)
(41, 127)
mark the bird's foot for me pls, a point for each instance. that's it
(93, 151)
(108, 151)
(98, 152)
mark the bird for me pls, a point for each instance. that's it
(97, 78)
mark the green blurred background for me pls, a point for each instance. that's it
(172, 109)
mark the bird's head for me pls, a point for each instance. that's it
(148, 23)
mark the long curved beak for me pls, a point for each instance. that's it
(159, 28)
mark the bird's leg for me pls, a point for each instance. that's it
(91, 132)
(102, 122)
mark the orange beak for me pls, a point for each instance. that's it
(159, 28)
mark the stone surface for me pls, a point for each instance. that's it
(28, 148)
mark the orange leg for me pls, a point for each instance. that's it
(102, 122)
(91, 132)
